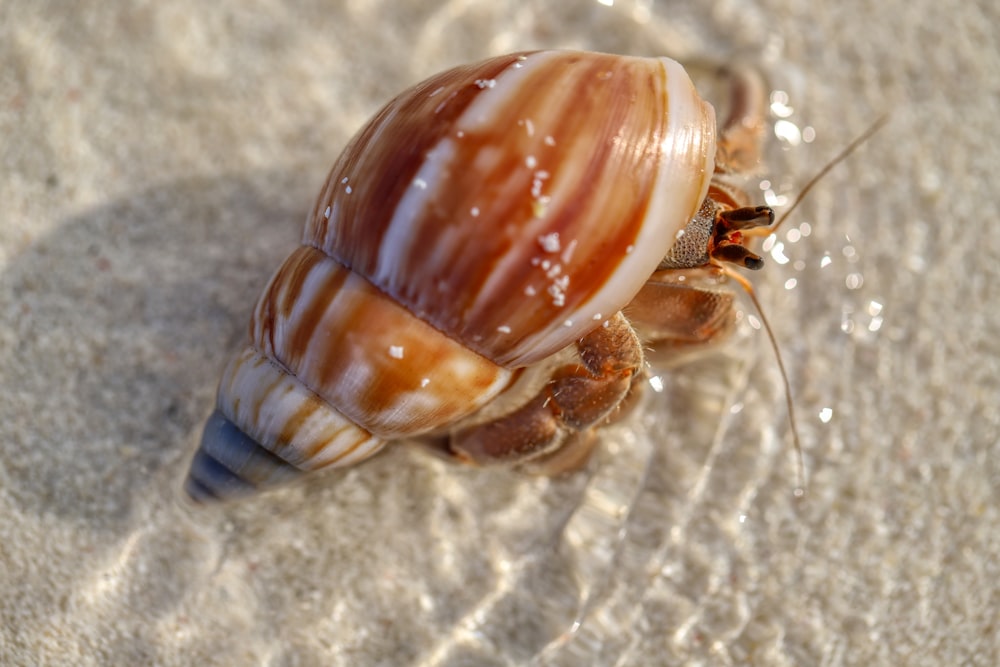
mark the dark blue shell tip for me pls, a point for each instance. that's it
(230, 464)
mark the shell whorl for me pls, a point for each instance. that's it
(516, 203)
(362, 353)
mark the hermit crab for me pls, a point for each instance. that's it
(484, 266)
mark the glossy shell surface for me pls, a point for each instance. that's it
(481, 222)
(514, 203)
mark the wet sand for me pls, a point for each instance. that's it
(157, 165)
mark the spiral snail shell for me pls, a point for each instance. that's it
(463, 273)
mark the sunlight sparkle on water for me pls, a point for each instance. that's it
(774, 200)
(779, 104)
(788, 132)
(778, 253)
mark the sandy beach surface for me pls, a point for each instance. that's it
(158, 160)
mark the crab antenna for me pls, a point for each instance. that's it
(840, 157)
(748, 288)
(800, 468)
